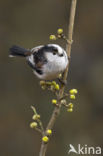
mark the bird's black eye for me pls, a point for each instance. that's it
(61, 55)
(54, 53)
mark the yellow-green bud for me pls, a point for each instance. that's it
(43, 87)
(71, 105)
(45, 139)
(52, 37)
(49, 131)
(54, 83)
(42, 83)
(60, 31)
(57, 87)
(36, 116)
(52, 87)
(73, 91)
(59, 36)
(48, 83)
(60, 76)
(63, 102)
(54, 101)
(72, 96)
(33, 124)
(70, 110)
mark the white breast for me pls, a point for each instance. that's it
(55, 66)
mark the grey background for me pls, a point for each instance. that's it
(29, 23)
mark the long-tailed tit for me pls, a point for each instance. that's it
(47, 61)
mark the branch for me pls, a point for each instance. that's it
(61, 92)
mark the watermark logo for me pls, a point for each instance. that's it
(84, 149)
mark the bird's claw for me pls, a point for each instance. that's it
(63, 82)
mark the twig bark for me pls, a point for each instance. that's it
(61, 92)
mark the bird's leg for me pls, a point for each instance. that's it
(64, 82)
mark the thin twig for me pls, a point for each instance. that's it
(61, 92)
(65, 96)
(41, 126)
(39, 130)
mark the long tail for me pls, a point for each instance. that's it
(19, 51)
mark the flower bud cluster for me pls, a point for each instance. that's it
(58, 36)
(53, 86)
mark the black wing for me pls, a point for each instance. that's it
(39, 59)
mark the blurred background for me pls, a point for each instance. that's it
(29, 24)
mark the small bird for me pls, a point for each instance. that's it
(47, 61)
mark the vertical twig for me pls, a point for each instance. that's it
(68, 50)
